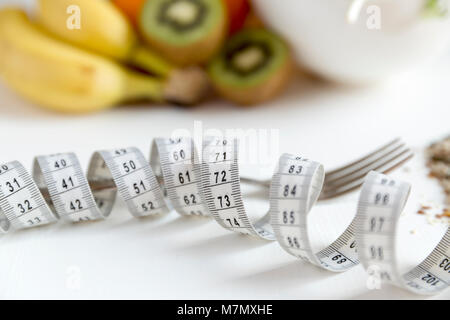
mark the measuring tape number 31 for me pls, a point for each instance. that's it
(209, 184)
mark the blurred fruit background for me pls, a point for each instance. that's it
(79, 56)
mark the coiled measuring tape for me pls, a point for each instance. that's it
(122, 170)
(60, 189)
(72, 196)
(69, 194)
(21, 203)
(61, 178)
(177, 161)
(381, 202)
(295, 188)
(221, 189)
(133, 177)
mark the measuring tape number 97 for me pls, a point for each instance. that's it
(381, 202)
(211, 187)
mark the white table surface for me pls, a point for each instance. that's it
(172, 257)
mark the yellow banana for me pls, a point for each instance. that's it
(64, 78)
(99, 26)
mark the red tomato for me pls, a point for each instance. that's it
(237, 14)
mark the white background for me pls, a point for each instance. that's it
(172, 257)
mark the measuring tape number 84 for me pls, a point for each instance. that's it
(59, 189)
(295, 187)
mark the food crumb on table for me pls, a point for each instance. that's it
(439, 164)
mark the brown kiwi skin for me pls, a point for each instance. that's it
(197, 53)
(261, 93)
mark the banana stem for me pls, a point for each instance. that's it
(146, 59)
(140, 87)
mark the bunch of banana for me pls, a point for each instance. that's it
(101, 28)
(62, 77)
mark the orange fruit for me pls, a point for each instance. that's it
(131, 8)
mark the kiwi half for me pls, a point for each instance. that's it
(185, 31)
(254, 66)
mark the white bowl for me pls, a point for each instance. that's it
(367, 50)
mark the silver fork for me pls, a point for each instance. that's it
(337, 182)
(351, 176)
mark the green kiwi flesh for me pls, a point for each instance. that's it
(180, 22)
(250, 60)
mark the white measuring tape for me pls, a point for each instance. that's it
(221, 189)
(212, 187)
(123, 170)
(295, 188)
(177, 161)
(133, 177)
(61, 177)
(21, 203)
(381, 202)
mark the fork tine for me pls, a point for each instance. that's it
(330, 174)
(399, 163)
(351, 176)
(362, 173)
(386, 167)
(357, 168)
